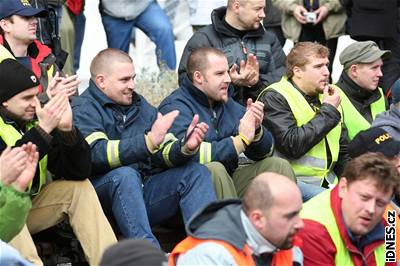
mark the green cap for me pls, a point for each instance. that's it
(362, 52)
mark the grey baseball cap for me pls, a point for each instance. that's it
(362, 52)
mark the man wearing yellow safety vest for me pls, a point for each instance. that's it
(64, 158)
(141, 174)
(376, 139)
(362, 99)
(303, 114)
(18, 40)
(260, 230)
(345, 226)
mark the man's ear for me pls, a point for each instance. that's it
(342, 186)
(4, 104)
(352, 71)
(256, 218)
(297, 72)
(100, 81)
(197, 77)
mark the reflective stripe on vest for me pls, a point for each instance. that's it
(241, 257)
(10, 136)
(352, 118)
(319, 209)
(313, 164)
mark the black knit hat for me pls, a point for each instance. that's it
(15, 78)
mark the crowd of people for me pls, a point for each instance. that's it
(264, 160)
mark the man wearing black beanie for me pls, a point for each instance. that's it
(63, 152)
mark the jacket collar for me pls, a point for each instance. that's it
(197, 94)
(36, 50)
(353, 90)
(105, 101)
(374, 238)
(218, 15)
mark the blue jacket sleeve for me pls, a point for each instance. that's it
(262, 148)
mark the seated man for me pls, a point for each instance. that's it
(63, 152)
(130, 147)
(261, 230)
(390, 119)
(255, 57)
(362, 99)
(232, 129)
(18, 40)
(345, 226)
(303, 115)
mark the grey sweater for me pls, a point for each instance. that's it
(126, 9)
(389, 121)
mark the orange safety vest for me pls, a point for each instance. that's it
(241, 257)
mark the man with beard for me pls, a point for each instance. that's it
(302, 113)
(261, 230)
(232, 129)
(345, 226)
(254, 55)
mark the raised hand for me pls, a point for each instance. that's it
(195, 133)
(322, 13)
(50, 114)
(161, 126)
(249, 72)
(247, 126)
(257, 109)
(331, 96)
(67, 85)
(65, 123)
(29, 170)
(12, 163)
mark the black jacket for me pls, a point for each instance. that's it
(293, 141)
(372, 18)
(264, 45)
(68, 153)
(359, 97)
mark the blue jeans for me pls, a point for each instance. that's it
(79, 24)
(10, 256)
(309, 190)
(153, 22)
(135, 207)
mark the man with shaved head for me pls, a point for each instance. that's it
(255, 57)
(140, 172)
(261, 230)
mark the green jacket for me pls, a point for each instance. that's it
(333, 25)
(14, 208)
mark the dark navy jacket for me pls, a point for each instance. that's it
(116, 134)
(223, 121)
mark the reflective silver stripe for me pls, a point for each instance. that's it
(306, 160)
(95, 136)
(113, 153)
(205, 153)
(331, 177)
(313, 180)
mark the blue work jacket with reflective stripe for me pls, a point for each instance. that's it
(115, 134)
(223, 121)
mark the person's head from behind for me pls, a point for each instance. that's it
(18, 90)
(362, 62)
(113, 72)
(18, 21)
(245, 14)
(307, 65)
(208, 69)
(272, 203)
(365, 189)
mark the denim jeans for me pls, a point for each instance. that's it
(135, 207)
(153, 22)
(309, 190)
(10, 256)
